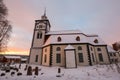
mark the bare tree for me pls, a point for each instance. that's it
(5, 27)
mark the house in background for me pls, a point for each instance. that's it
(118, 52)
(67, 48)
(114, 55)
(12, 59)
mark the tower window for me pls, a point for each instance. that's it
(58, 58)
(79, 48)
(80, 55)
(59, 39)
(36, 58)
(39, 35)
(100, 57)
(58, 49)
(77, 38)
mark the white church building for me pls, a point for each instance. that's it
(67, 48)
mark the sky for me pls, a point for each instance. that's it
(101, 17)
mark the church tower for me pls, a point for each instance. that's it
(42, 26)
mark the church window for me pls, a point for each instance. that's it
(39, 35)
(45, 58)
(79, 48)
(98, 49)
(36, 58)
(95, 41)
(100, 57)
(80, 55)
(77, 38)
(58, 49)
(59, 39)
(58, 58)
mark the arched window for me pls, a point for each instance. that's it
(59, 39)
(58, 49)
(79, 48)
(98, 49)
(95, 41)
(77, 38)
(39, 35)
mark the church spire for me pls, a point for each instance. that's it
(44, 17)
(45, 12)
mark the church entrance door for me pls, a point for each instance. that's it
(70, 59)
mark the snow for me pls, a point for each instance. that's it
(69, 47)
(13, 57)
(64, 32)
(97, 72)
(71, 38)
(110, 49)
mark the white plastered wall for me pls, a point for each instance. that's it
(46, 51)
(33, 54)
(104, 54)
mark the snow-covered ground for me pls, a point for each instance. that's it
(97, 72)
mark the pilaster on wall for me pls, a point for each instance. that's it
(89, 57)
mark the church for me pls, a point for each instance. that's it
(67, 48)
